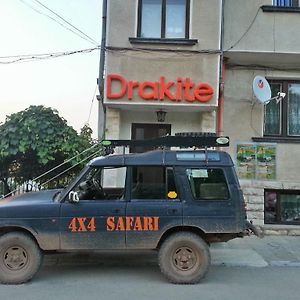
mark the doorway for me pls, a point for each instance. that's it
(140, 131)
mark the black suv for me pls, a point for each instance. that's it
(174, 201)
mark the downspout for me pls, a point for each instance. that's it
(220, 111)
(102, 108)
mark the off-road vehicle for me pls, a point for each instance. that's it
(177, 202)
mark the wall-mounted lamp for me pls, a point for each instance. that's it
(161, 115)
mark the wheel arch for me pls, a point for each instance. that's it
(8, 229)
(176, 229)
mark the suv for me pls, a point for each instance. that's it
(174, 201)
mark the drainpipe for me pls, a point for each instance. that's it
(220, 111)
(102, 108)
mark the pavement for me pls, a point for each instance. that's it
(279, 251)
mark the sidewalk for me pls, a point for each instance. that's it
(255, 252)
(249, 251)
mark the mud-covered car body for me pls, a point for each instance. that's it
(132, 201)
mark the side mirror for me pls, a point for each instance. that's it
(73, 197)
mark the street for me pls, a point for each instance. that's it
(127, 276)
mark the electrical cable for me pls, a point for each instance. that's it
(91, 106)
(247, 30)
(60, 165)
(70, 168)
(30, 57)
(53, 19)
(96, 43)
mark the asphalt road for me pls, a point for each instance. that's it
(123, 278)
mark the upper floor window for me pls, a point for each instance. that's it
(163, 19)
(286, 3)
(282, 119)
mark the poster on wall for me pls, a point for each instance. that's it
(256, 161)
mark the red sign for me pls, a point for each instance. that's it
(181, 90)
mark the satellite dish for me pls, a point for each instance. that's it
(261, 89)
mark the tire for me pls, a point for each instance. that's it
(184, 258)
(20, 258)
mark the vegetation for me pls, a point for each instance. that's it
(36, 140)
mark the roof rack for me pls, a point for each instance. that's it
(206, 140)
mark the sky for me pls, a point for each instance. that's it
(68, 83)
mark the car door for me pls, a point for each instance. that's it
(85, 225)
(154, 206)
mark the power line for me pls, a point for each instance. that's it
(67, 22)
(35, 57)
(247, 30)
(59, 23)
(91, 106)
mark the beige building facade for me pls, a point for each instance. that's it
(169, 64)
(260, 38)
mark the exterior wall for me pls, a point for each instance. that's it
(149, 65)
(259, 43)
(205, 21)
(254, 43)
(270, 32)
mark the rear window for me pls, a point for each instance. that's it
(208, 184)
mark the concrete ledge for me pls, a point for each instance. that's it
(290, 230)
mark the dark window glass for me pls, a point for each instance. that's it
(282, 207)
(208, 184)
(163, 18)
(282, 119)
(153, 183)
(273, 113)
(102, 184)
(286, 3)
(294, 109)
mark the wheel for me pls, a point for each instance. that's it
(184, 258)
(20, 258)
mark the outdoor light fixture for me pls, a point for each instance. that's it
(161, 115)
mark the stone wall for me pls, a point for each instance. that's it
(254, 198)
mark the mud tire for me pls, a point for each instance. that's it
(20, 258)
(184, 258)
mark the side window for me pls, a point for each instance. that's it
(102, 184)
(155, 183)
(208, 184)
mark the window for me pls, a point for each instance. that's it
(282, 119)
(208, 184)
(167, 19)
(155, 183)
(282, 207)
(286, 3)
(102, 184)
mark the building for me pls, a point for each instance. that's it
(188, 65)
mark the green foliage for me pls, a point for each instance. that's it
(35, 140)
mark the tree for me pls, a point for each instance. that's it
(34, 141)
